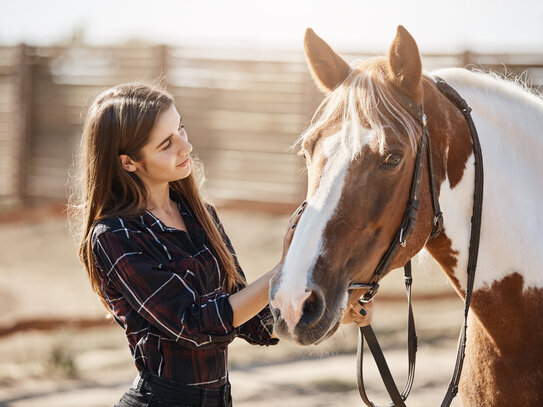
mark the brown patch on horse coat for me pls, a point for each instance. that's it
(449, 134)
(504, 353)
(441, 250)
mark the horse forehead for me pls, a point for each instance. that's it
(338, 149)
(345, 143)
(312, 140)
(322, 204)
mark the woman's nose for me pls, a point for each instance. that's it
(184, 147)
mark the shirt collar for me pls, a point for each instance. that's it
(194, 229)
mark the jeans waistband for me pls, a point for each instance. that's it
(173, 392)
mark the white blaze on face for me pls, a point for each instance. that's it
(307, 243)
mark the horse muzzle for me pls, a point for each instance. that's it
(302, 318)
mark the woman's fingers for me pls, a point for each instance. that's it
(359, 313)
(294, 218)
(297, 213)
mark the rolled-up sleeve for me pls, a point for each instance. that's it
(160, 294)
(258, 330)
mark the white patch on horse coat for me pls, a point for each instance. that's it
(307, 243)
(509, 124)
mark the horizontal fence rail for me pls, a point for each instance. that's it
(243, 111)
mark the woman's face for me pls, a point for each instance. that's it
(165, 158)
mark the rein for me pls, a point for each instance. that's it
(400, 240)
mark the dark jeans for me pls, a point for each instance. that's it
(153, 391)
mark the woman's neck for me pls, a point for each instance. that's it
(159, 199)
(164, 208)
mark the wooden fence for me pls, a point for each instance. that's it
(242, 110)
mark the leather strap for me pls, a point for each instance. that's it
(400, 240)
(406, 228)
(367, 333)
(437, 225)
(408, 222)
(476, 219)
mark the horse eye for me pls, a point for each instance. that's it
(392, 160)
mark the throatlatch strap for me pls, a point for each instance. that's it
(367, 332)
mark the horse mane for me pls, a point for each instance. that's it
(509, 87)
(363, 100)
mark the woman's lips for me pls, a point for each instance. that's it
(184, 162)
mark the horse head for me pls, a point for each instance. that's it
(360, 153)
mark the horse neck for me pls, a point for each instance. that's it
(507, 121)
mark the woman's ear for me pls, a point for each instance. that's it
(127, 163)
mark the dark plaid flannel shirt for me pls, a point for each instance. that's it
(165, 290)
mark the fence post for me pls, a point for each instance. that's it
(163, 60)
(22, 126)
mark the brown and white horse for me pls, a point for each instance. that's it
(360, 151)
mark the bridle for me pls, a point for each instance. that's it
(400, 240)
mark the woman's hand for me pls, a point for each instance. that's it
(360, 314)
(292, 223)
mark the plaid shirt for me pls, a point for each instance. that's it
(164, 287)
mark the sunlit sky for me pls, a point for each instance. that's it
(438, 26)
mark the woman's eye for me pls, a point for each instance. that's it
(168, 144)
(392, 160)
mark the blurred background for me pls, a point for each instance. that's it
(241, 83)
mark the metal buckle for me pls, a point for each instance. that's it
(368, 295)
(424, 120)
(403, 242)
(437, 225)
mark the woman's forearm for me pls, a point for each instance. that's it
(249, 301)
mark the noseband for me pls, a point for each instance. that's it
(400, 240)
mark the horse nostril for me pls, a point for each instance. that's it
(313, 308)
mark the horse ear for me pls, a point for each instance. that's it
(405, 64)
(327, 68)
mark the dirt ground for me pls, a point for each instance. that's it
(40, 278)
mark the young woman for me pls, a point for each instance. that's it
(158, 256)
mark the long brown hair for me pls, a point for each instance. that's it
(119, 122)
